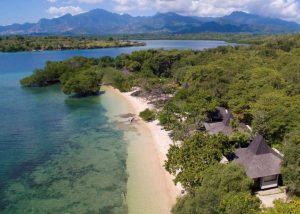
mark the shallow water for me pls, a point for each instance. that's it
(67, 155)
(70, 159)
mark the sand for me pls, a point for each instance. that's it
(160, 137)
(150, 187)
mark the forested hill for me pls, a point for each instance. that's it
(102, 22)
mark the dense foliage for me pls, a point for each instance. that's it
(189, 160)
(147, 115)
(83, 83)
(27, 43)
(225, 189)
(292, 207)
(77, 75)
(291, 162)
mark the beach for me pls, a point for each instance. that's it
(150, 187)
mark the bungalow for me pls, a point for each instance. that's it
(261, 163)
(221, 123)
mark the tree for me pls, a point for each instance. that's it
(121, 82)
(198, 104)
(240, 139)
(106, 61)
(168, 116)
(227, 178)
(292, 207)
(189, 160)
(134, 66)
(275, 114)
(147, 115)
(220, 183)
(239, 203)
(83, 84)
(161, 62)
(291, 162)
(212, 79)
(55, 72)
(201, 201)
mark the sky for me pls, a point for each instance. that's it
(21, 11)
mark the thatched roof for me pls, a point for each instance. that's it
(221, 126)
(259, 159)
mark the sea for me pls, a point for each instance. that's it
(61, 154)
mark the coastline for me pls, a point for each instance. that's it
(161, 138)
(150, 187)
(127, 45)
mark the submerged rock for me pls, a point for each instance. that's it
(129, 115)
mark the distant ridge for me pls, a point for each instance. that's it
(102, 22)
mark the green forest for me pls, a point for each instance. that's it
(31, 43)
(259, 83)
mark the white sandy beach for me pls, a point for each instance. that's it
(150, 187)
(161, 137)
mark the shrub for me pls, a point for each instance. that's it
(147, 115)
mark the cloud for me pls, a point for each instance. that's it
(285, 9)
(90, 1)
(79, 1)
(59, 11)
(132, 5)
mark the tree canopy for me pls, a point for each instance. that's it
(224, 189)
(83, 84)
(292, 207)
(291, 162)
(189, 160)
(38, 43)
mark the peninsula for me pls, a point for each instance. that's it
(37, 43)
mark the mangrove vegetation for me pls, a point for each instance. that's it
(37, 43)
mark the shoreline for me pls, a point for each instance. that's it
(129, 45)
(155, 148)
(161, 137)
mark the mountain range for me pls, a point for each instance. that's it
(102, 22)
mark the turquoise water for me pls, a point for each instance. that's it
(60, 154)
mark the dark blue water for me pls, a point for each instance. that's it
(60, 154)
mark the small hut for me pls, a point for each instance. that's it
(220, 123)
(261, 162)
